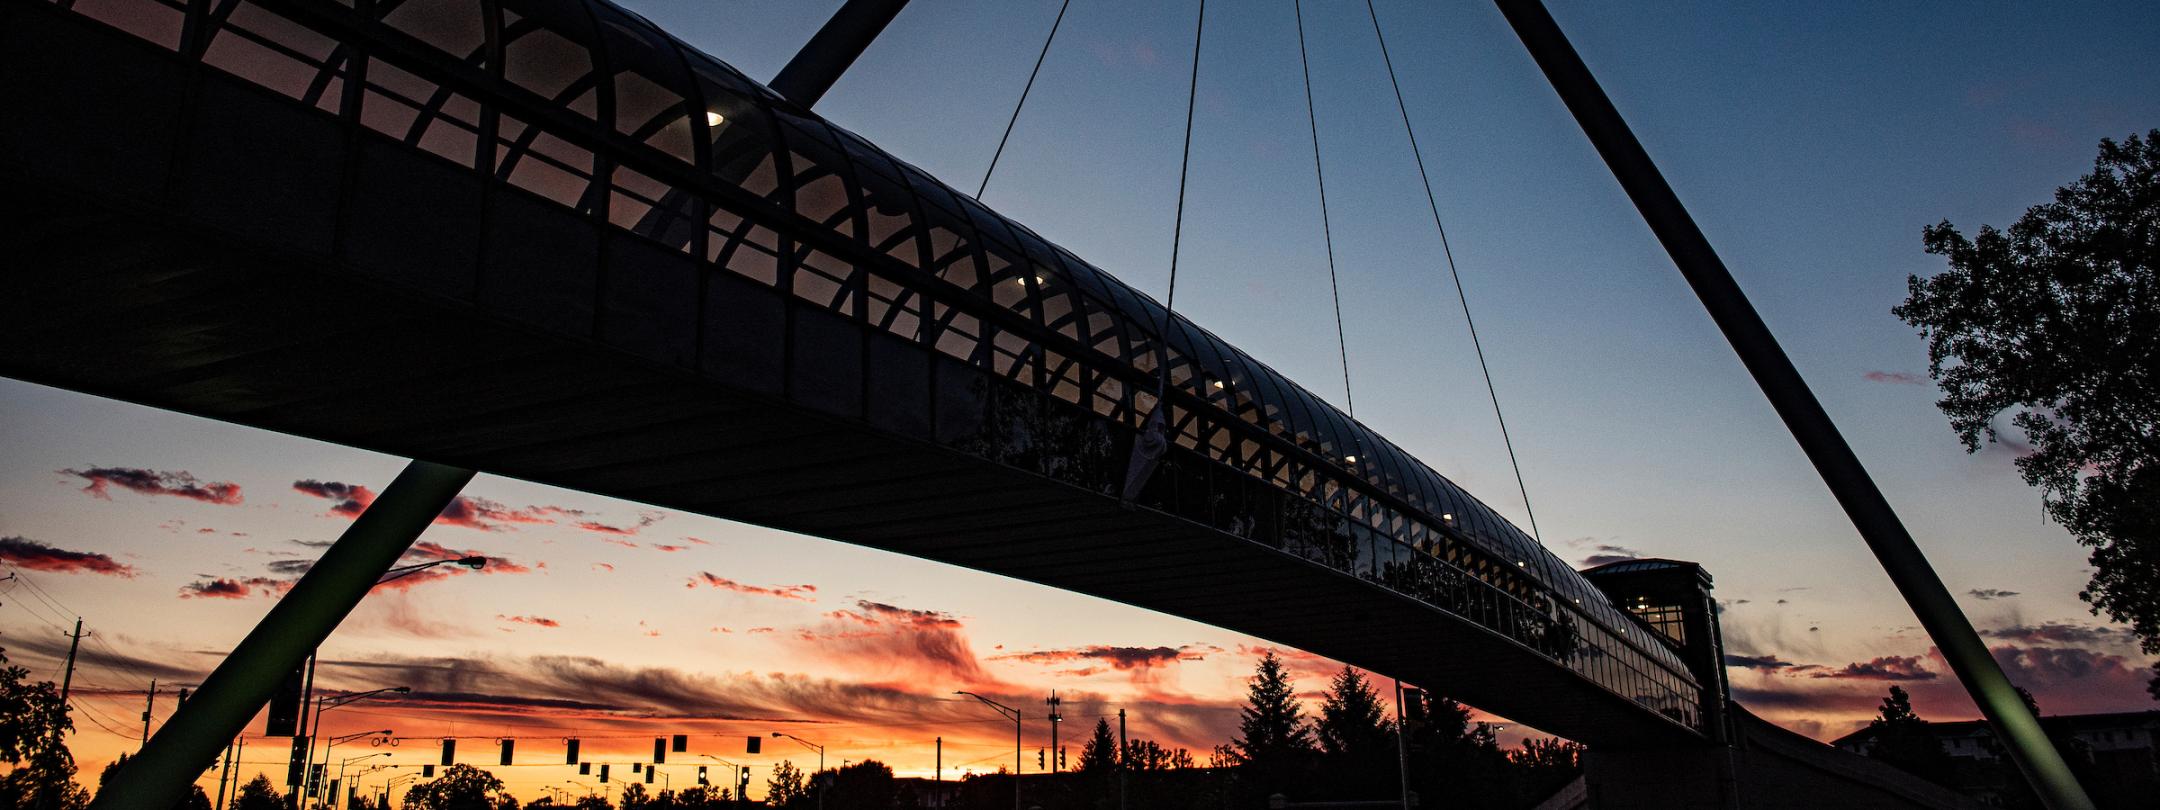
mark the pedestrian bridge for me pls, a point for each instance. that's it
(546, 240)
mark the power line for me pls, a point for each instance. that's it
(1177, 228)
(1024, 91)
(1327, 234)
(1449, 252)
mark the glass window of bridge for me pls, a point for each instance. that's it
(749, 250)
(539, 162)
(888, 209)
(454, 27)
(269, 50)
(652, 89)
(893, 308)
(158, 21)
(419, 112)
(543, 52)
(740, 148)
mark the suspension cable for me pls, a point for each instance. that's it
(1446, 250)
(1327, 234)
(1024, 91)
(1177, 228)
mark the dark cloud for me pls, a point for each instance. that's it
(1766, 663)
(1608, 553)
(1117, 657)
(289, 568)
(804, 593)
(346, 499)
(180, 484)
(2061, 633)
(1991, 593)
(36, 556)
(1882, 668)
(1894, 377)
(469, 511)
(536, 621)
(241, 588)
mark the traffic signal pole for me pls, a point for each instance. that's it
(1804, 416)
(156, 778)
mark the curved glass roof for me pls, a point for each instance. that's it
(588, 65)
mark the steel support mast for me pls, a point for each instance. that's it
(1833, 458)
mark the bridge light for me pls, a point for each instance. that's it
(1521, 564)
(1447, 517)
(713, 119)
(1349, 459)
(1218, 385)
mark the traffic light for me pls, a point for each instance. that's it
(584, 769)
(284, 720)
(571, 755)
(701, 776)
(649, 772)
(1061, 757)
(603, 773)
(659, 750)
(427, 771)
(1039, 761)
(449, 750)
(680, 744)
(636, 767)
(507, 746)
(754, 743)
(742, 785)
(302, 749)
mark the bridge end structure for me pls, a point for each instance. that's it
(1746, 762)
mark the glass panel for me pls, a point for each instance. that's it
(454, 27)
(420, 113)
(541, 52)
(158, 22)
(276, 53)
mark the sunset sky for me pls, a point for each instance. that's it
(1811, 141)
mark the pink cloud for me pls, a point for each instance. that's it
(1894, 377)
(37, 556)
(798, 592)
(181, 484)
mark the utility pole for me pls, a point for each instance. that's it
(149, 702)
(1055, 718)
(1123, 750)
(68, 679)
(940, 760)
(224, 774)
(1402, 748)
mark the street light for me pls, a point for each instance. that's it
(390, 790)
(1013, 713)
(332, 743)
(820, 764)
(474, 563)
(737, 783)
(326, 703)
(334, 801)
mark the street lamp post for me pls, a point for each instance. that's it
(820, 763)
(328, 702)
(311, 786)
(737, 782)
(390, 790)
(341, 783)
(1013, 713)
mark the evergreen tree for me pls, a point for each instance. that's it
(1357, 742)
(1100, 755)
(1274, 745)
(1902, 739)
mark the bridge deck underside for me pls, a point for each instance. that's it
(127, 279)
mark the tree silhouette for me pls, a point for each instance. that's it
(1357, 742)
(1902, 739)
(258, 794)
(34, 724)
(2057, 322)
(1274, 744)
(1100, 755)
(865, 785)
(785, 786)
(461, 787)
